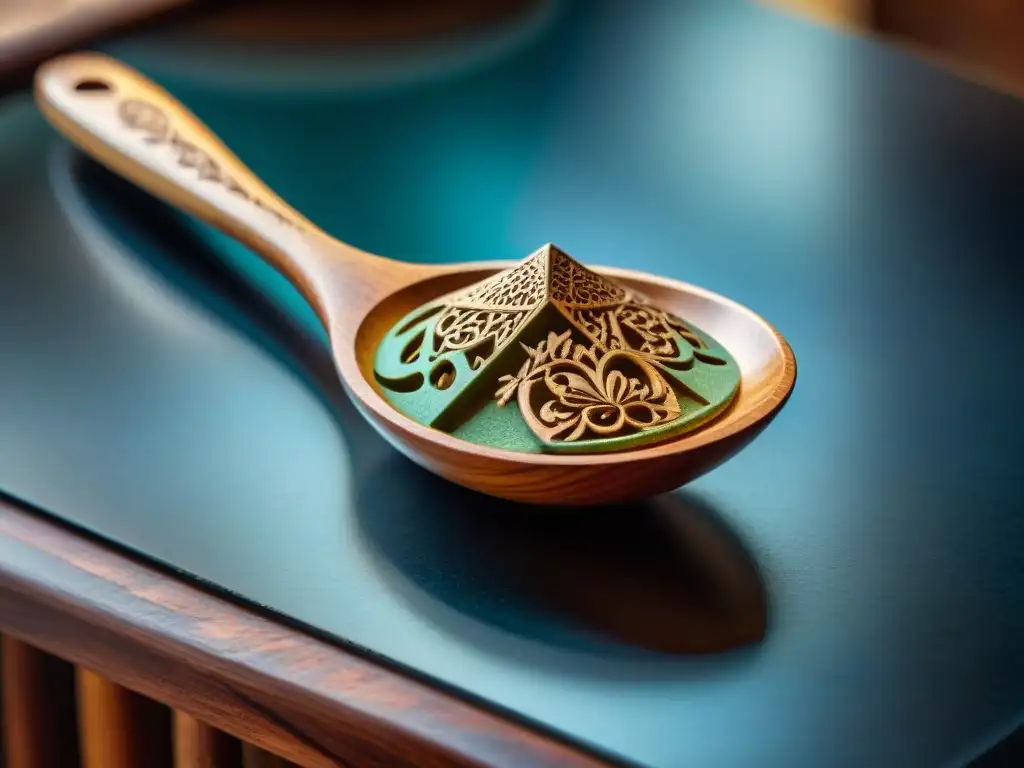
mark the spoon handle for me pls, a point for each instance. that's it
(140, 131)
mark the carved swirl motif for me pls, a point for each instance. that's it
(150, 119)
(519, 288)
(485, 317)
(569, 393)
(462, 328)
(640, 327)
(575, 285)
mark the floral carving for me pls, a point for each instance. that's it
(569, 392)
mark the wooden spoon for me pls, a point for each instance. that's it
(141, 132)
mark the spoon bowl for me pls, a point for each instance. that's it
(766, 362)
(141, 132)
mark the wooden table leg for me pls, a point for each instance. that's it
(118, 728)
(197, 745)
(254, 757)
(38, 708)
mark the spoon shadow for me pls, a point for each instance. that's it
(151, 230)
(618, 583)
(666, 575)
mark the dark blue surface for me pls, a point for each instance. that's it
(867, 205)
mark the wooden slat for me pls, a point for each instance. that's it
(197, 745)
(254, 757)
(38, 708)
(312, 702)
(118, 728)
(25, 737)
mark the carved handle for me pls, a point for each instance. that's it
(143, 133)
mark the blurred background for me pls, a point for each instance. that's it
(980, 38)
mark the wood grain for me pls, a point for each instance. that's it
(198, 745)
(292, 695)
(38, 708)
(141, 132)
(119, 728)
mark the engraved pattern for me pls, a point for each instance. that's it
(642, 328)
(574, 285)
(150, 119)
(569, 393)
(487, 315)
(520, 288)
(692, 338)
(677, 324)
(463, 328)
(613, 365)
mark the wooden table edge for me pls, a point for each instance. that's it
(305, 699)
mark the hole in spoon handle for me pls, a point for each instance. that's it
(86, 85)
(143, 133)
